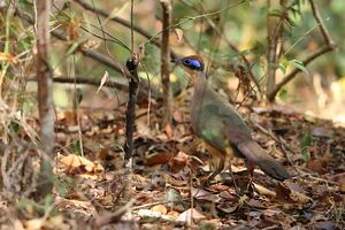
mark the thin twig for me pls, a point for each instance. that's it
(99, 57)
(101, 25)
(124, 23)
(325, 34)
(155, 203)
(4, 175)
(76, 103)
(111, 38)
(145, 88)
(5, 65)
(87, 81)
(132, 25)
(105, 60)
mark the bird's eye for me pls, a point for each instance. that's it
(187, 61)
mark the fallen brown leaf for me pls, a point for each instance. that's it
(190, 214)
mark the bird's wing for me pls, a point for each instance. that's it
(218, 123)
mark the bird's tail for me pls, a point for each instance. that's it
(255, 154)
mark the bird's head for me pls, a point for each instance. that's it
(193, 64)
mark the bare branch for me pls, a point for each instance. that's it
(44, 76)
(105, 60)
(87, 81)
(165, 53)
(274, 40)
(142, 93)
(124, 23)
(330, 46)
(321, 25)
(97, 56)
(132, 66)
(45, 96)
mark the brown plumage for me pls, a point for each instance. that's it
(218, 124)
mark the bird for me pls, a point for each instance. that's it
(216, 122)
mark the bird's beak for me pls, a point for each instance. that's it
(176, 62)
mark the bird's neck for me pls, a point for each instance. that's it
(199, 80)
(199, 85)
(200, 88)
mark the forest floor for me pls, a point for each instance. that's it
(163, 190)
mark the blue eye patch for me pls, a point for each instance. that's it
(192, 63)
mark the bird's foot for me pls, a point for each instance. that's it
(238, 191)
(205, 182)
(210, 179)
(250, 186)
(234, 181)
(240, 184)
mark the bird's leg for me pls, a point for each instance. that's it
(219, 166)
(233, 179)
(192, 147)
(218, 170)
(250, 168)
(229, 154)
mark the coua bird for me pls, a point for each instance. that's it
(221, 127)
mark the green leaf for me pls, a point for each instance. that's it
(305, 143)
(283, 94)
(258, 48)
(275, 12)
(186, 23)
(71, 50)
(283, 64)
(75, 147)
(14, 127)
(64, 185)
(282, 67)
(299, 65)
